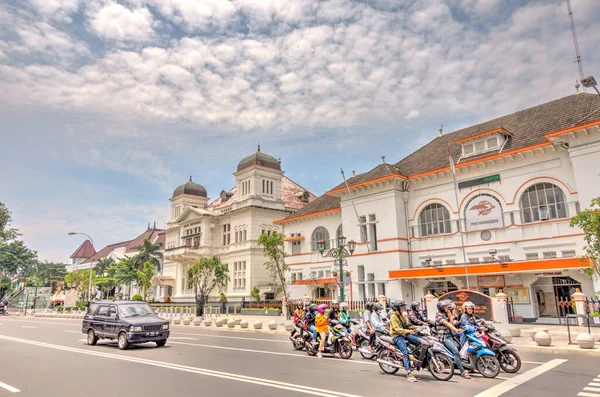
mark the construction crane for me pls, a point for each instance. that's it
(587, 82)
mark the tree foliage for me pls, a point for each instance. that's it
(47, 274)
(276, 266)
(589, 221)
(80, 280)
(206, 275)
(15, 258)
(6, 233)
(255, 293)
(144, 277)
(148, 252)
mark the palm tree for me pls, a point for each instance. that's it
(148, 252)
(102, 265)
(125, 271)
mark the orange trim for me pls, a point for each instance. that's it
(306, 216)
(540, 177)
(392, 239)
(319, 281)
(464, 164)
(510, 267)
(293, 238)
(309, 262)
(500, 242)
(431, 199)
(567, 130)
(383, 178)
(379, 252)
(502, 130)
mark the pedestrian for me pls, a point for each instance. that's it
(321, 324)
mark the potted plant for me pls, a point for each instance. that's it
(347, 273)
(334, 273)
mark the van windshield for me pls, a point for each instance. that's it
(135, 309)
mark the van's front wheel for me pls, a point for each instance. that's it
(92, 339)
(123, 342)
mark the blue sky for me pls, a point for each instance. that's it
(107, 106)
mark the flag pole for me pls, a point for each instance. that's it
(462, 237)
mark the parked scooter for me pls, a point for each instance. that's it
(300, 335)
(337, 343)
(437, 359)
(476, 356)
(507, 355)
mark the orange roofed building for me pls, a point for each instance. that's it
(520, 177)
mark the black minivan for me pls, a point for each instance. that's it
(128, 322)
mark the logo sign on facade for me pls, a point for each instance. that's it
(483, 303)
(491, 281)
(483, 212)
(479, 181)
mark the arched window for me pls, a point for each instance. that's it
(320, 233)
(434, 219)
(338, 233)
(543, 202)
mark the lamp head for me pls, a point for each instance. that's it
(321, 246)
(72, 233)
(351, 246)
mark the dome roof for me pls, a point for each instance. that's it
(259, 158)
(191, 188)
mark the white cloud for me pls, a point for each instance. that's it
(59, 9)
(116, 22)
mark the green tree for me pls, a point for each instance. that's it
(47, 274)
(144, 277)
(6, 233)
(148, 252)
(276, 266)
(205, 276)
(255, 293)
(125, 271)
(589, 221)
(80, 280)
(16, 259)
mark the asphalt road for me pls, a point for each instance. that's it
(50, 358)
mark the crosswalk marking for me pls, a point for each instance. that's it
(591, 389)
(582, 394)
(593, 386)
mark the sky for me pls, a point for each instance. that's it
(107, 106)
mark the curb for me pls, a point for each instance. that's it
(241, 330)
(595, 352)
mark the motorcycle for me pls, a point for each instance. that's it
(437, 359)
(337, 343)
(507, 355)
(476, 356)
(300, 335)
(363, 348)
(3, 308)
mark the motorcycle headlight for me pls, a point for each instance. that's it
(165, 326)
(135, 329)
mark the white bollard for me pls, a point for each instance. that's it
(431, 305)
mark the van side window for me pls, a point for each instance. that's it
(92, 309)
(112, 312)
(102, 311)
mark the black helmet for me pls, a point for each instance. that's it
(443, 304)
(414, 305)
(378, 307)
(369, 306)
(312, 307)
(399, 305)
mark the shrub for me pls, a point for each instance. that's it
(137, 297)
(59, 309)
(222, 298)
(255, 293)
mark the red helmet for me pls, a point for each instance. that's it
(321, 308)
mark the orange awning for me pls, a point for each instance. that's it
(490, 268)
(319, 281)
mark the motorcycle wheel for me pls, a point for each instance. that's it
(510, 361)
(298, 343)
(310, 350)
(344, 350)
(364, 345)
(387, 355)
(441, 367)
(488, 366)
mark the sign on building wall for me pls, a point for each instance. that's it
(518, 293)
(479, 181)
(483, 212)
(483, 303)
(490, 281)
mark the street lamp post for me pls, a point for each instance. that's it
(90, 284)
(339, 254)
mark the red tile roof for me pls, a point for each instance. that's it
(85, 250)
(154, 235)
(104, 252)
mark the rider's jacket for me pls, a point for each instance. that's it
(415, 318)
(399, 325)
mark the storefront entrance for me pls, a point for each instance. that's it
(553, 295)
(440, 288)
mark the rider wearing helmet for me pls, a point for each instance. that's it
(298, 317)
(402, 332)
(468, 320)
(444, 325)
(368, 328)
(309, 317)
(321, 323)
(344, 316)
(414, 314)
(377, 319)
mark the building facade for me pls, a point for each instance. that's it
(228, 227)
(520, 178)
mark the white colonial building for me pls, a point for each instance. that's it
(229, 227)
(521, 177)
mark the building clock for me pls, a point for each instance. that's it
(486, 235)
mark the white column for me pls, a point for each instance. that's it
(431, 305)
(499, 308)
(579, 299)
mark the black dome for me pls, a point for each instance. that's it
(191, 188)
(259, 158)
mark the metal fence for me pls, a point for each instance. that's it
(592, 305)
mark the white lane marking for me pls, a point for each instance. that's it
(497, 377)
(46, 322)
(27, 326)
(268, 352)
(582, 394)
(9, 388)
(510, 384)
(591, 389)
(73, 332)
(233, 337)
(202, 371)
(594, 384)
(532, 362)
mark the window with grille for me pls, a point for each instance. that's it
(473, 260)
(318, 234)
(226, 234)
(532, 256)
(568, 253)
(550, 255)
(373, 232)
(450, 262)
(239, 275)
(434, 219)
(543, 202)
